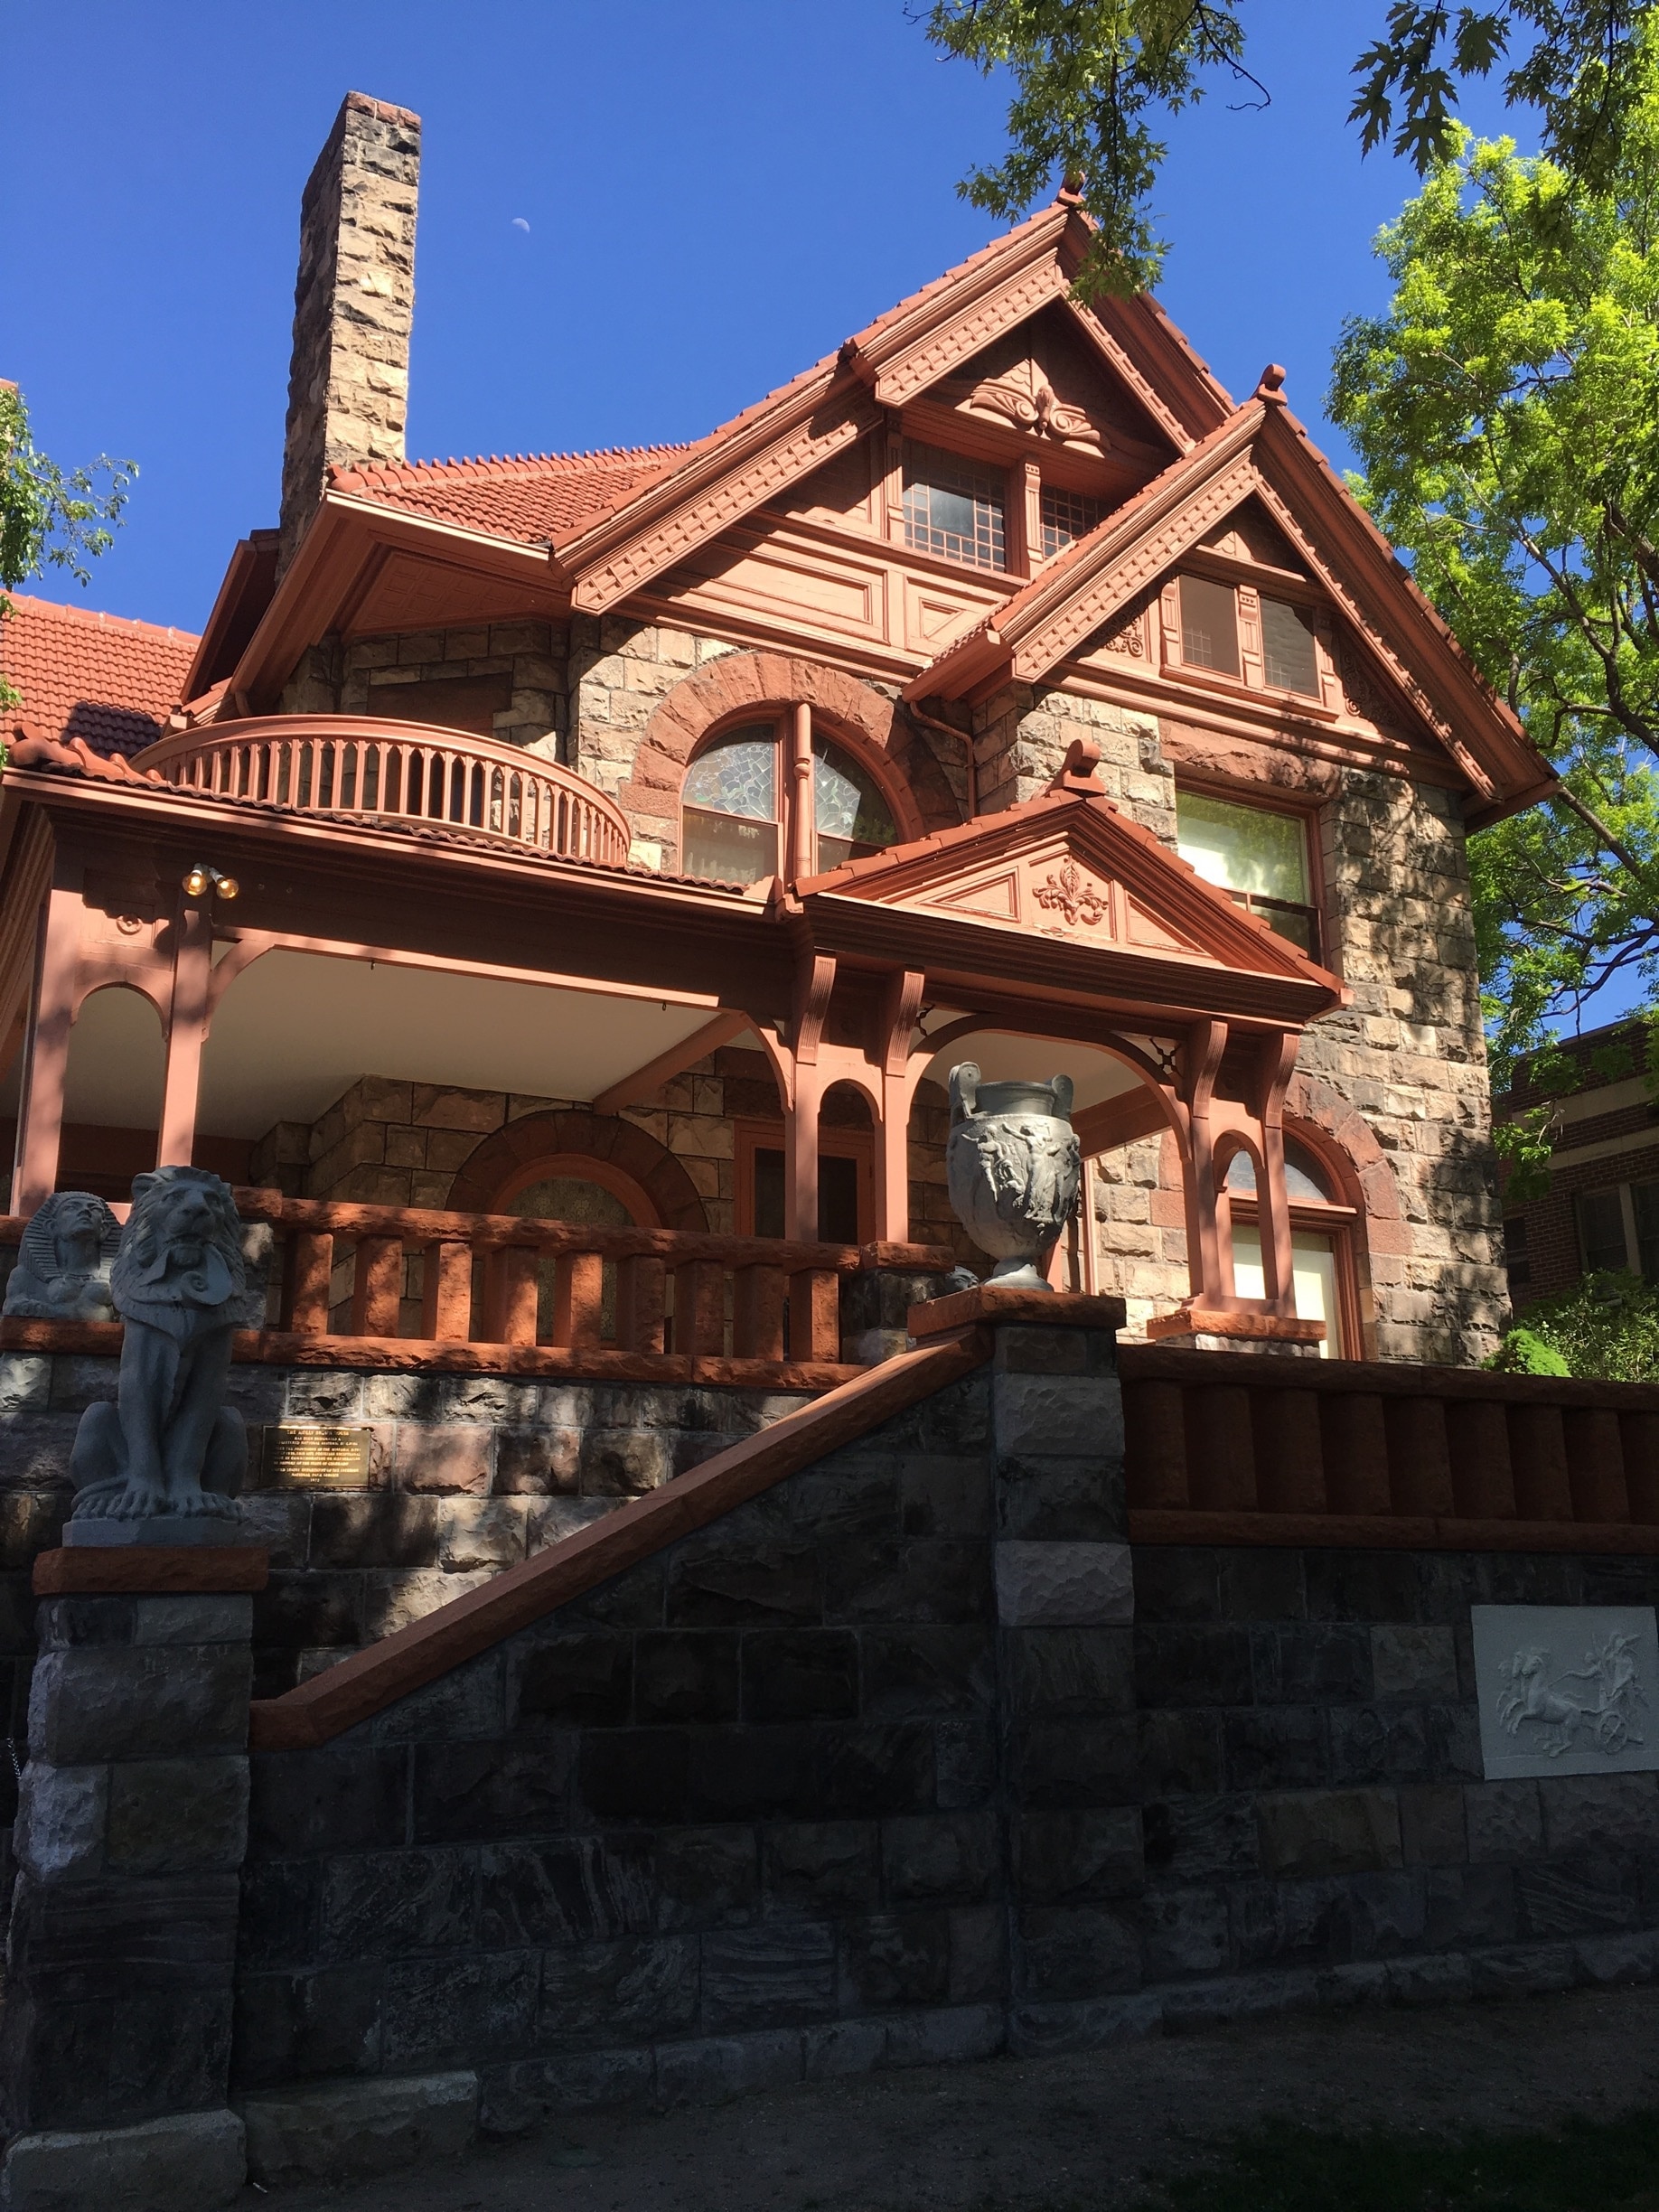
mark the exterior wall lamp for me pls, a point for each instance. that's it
(200, 879)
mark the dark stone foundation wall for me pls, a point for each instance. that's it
(790, 1798)
(1313, 1823)
(468, 1475)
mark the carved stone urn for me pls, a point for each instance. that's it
(1013, 1167)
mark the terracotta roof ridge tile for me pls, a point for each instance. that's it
(393, 474)
(128, 625)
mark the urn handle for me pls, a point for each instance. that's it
(964, 1091)
(1061, 1085)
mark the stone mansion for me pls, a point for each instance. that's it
(632, 841)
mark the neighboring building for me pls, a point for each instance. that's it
(1601, 1210)
(638, 838)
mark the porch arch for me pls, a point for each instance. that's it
(573, 1140)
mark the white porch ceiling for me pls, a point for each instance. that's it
(298, 1028)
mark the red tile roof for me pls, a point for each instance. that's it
(535, 497)
(95, 676)
(530, 497)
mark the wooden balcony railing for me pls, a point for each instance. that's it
(404, 1286)
(390, 771)
(1224, 1447)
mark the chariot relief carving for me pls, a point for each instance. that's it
(1566, 1689)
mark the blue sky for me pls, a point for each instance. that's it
(715, 193)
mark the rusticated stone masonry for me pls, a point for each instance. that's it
(353, 305)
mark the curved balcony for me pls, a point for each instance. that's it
(385, 771)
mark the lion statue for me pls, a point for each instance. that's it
(62, 1270)
(169, 1444)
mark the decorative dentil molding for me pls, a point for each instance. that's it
(726, 501)
(913, 372)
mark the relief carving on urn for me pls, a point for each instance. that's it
(1014, 1167)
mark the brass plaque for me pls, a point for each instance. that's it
(315, 1456)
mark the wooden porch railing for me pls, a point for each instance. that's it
(407, 1286)
(397, 770)
(1231, 1447)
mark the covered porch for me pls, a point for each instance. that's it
(203, 969)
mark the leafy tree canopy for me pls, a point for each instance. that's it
(1092, 76)
(1507, 410)
(48, 515)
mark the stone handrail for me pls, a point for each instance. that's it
(387, 771)
(1226, 1447)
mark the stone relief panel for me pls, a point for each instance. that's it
(1567, 1689)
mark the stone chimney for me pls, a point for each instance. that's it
(353, 305)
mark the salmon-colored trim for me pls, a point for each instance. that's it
(369, 1680)
(142, 1569)
(439, 1355)
(1386, 1532)
(996, 1302)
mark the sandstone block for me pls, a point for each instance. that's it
(194, 2162)
(365, 2128)
(60, 1818)
(1057, 1585)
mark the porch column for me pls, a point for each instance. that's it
(1277, 1059)
(193, 966)
(1208, 1270)
(900, 1073)
(801, 1154)
(46, 1042)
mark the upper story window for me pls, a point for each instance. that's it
(1211, 635)
(954, 508)
(739, 796)
(1066, 517)
(1259, 855)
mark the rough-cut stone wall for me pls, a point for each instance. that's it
(888, 1765)
(392, 1142)
(622, 672)
(468, 1473)
(531, 655)
(1021, 737)
(1408, 1053)
(353, 305)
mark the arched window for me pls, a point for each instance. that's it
(1322, 1233)
(741, 796)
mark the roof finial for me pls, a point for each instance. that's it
(1272, 383)
(1071, 192)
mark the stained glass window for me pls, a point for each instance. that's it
(952, 508)
(853, 818)
(1066, 517)
(731, 808)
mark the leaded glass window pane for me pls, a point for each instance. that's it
(738, 774)
(1304, 1178)
(1209, 625)
(1066, 517)
(1289, 660)
(1242, 848)
(952, 508)
(853, 818)
(725, 848)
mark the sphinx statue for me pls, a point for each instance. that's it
(62, 1270)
